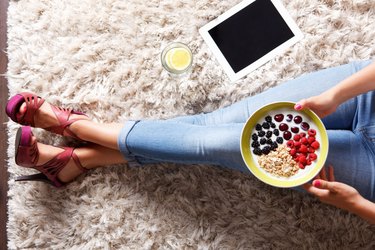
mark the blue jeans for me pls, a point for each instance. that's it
(214, 138)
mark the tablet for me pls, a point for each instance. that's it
(249, 35)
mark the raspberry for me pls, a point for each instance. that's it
(293, 152)
(302, 134)
(296, 137)
(297, 144)
(311, 132)
(308, 163)
(290, 143)
(315, 145)
(311, 150)
(312, 156)
(301, 166)
(304, 140)
(310, 139)
(302, 159)
(303, 149)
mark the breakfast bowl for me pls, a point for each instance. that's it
(284, 147)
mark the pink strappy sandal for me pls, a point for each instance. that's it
(27, 155)
(33, 103)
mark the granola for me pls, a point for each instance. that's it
(279, 162)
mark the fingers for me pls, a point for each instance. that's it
(323, 174)
(331, 174)
(300, 105)
(323, 184)
(315, 191)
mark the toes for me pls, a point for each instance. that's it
(21, 112)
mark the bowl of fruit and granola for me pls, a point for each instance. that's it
(284, 147)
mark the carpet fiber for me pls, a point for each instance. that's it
(102, 57)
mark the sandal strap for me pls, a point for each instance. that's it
(54, 166)
(78, 162)
(33, 103)
(63, 115)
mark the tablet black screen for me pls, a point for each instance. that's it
(250, 34)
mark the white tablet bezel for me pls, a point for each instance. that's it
(298, 35)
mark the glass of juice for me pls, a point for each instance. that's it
(176, 58)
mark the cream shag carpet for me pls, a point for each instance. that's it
(102, 56)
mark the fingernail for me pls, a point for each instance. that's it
(298, 106)
(317, 183)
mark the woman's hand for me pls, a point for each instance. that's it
(327, 102)
(334, 193)
(323, 104)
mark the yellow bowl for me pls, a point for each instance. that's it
(303, 175)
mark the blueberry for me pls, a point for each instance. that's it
(279, 140)
(255, 144)
(269, 141)
(268, 118)
(261, 133)
(254, 137)
(258, 127)
(263, 141)
(273, 125)
(276, 132)
(266, 150)
(274, 145)
(268, 134)
(266, 125)
(257, 151)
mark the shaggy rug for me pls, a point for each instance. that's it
(103, 57)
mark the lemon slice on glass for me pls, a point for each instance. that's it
(178, 58)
